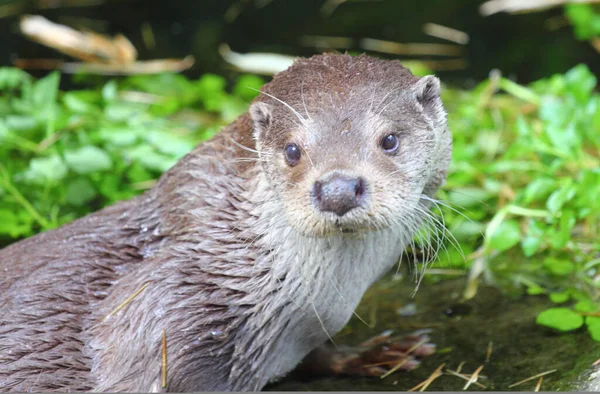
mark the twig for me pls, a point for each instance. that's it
(127, 301)
(539, 384)
(494, 6)
(397, 48)
(532, 377)
(86, 46)
(446, 33)
(140, 67)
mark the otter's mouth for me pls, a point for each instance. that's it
(348, 228)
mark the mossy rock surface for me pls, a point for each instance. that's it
(520, 347)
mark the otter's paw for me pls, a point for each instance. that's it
(381, 355)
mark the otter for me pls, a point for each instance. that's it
(247, 254)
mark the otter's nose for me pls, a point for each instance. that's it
(339, 194)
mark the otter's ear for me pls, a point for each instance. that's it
(427, 93)
(262, 118)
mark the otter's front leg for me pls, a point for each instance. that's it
(375, 357)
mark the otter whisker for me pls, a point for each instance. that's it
(243, 146)
(452, 239)
(302, 120)
(303, 102)
(447, 205)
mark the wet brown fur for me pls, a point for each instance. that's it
(200, 243)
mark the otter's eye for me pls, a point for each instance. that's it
(390, 143)
(292, 154)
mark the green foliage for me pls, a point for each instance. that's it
(525, 184)
(65, 154)
(522, 192)
(585, 19)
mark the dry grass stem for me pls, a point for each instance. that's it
(473, 377)
(539, 384)
(532, 377)
(127, 301)
(464, 377)
(424, 384)
(489, 352)
(394, 369)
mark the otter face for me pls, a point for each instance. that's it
(353, 159)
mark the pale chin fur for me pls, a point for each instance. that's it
(324, 277)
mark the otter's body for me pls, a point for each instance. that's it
(244, 276)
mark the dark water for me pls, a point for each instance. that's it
(521, 46)
(520, 348)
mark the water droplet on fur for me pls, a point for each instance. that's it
(218, 334)
(144, 229)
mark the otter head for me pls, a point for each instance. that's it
(352, 144)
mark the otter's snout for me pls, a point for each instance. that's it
(339, 193)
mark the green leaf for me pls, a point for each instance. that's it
(45, 90)
(78, 102)
(561, 319)
(88, 159)
(120, 136)
(566, 224)
(535, 290)
(559, 267)
(110, 92)
(586, 305)
(80, 191)
(12, 78)
(9, 222)
(533, 239)
(20, 123)
(124, 111)
(507, 235)
(559, 197)
(46, 169)
(539, 189)
(151, 159)
(559, 298)
(247, 86)
(580, 82)
(168, 143)
(593, 326)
